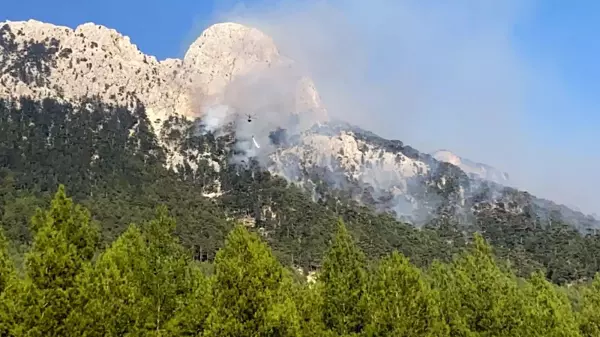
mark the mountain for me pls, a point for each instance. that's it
(125, 131)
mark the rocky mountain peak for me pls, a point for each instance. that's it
(41, 60)
(238, 49)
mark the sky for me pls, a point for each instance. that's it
(510, 83)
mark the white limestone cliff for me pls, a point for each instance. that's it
(348, 158)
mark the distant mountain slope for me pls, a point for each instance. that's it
(240, 68)
(473, 169)
(395, 177)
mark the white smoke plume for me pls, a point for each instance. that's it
(216, 117)
(255, 105)
(436, 75)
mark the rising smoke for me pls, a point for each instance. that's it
(436, 75)
(254, 106)
(432, 74)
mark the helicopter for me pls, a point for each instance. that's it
(249, 118)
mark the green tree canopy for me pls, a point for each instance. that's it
(251, 291)
(590, 311)
(479, 299)
(549, 312)
(344, 279)
(401, 303)
(64, 243)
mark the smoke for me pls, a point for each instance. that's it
(436, 75)
(255, 105)
(216, 117)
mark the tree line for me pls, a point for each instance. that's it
(145, 283)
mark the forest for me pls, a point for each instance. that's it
(112, 162)
(145, 283)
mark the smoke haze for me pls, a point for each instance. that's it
(435, 75)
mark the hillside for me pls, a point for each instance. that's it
(125, 132)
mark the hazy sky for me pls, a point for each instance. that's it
(511, 83)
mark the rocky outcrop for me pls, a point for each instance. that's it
(473, 169)
(385, 174)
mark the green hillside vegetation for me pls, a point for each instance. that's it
(146, 283)
(111, 161)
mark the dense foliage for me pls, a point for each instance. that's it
(112, 162)
(145, 283)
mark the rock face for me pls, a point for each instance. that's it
(225, 51)
(394, 177)
(473, 169)
(383, 173)
(43, 60)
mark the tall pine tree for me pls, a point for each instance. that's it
(138, 284)
(401, 303)
(252, 291)
(189, 319)
(344, 285)
(589, 316)
(549, 312)
(64, 243)
(7, 267)
(478, 298)
(110, 300)
(309, 303)
(8, 288)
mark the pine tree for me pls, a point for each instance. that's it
(8, 287)
(64, 243)
(477, 296)
(110, 298)
(170, 280)
(444, 281)
(549, 312)
(7, 267)
(251, 291)
(344, 284)
(401, 303)
(138, 284)
(310, 309)
(589, 316)
(189, 319)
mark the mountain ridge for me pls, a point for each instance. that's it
(168, 87)
(240, 69)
